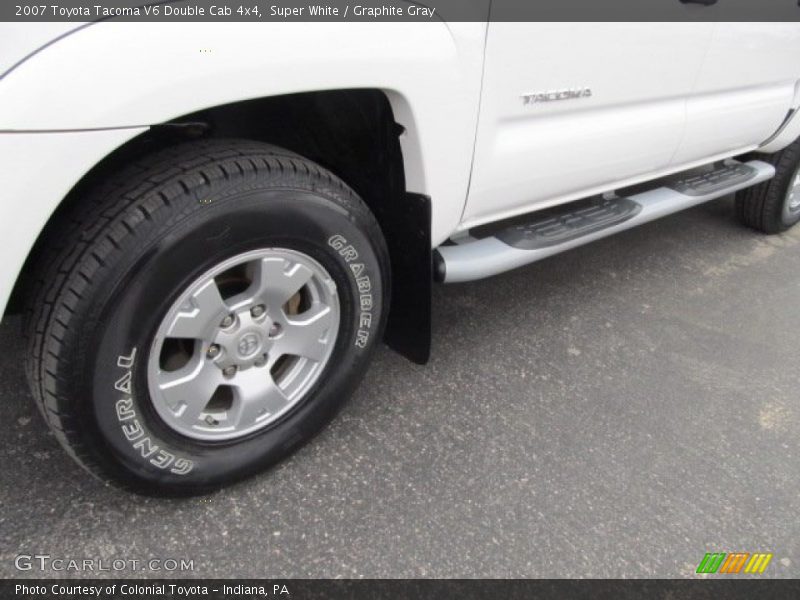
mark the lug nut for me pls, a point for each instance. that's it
(213, 351)
(257, 311)
(227, 321)
(261, 361)
(229, 371)
(274, 330)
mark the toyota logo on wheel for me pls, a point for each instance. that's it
(248, 344)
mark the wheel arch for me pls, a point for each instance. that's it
(353, 133)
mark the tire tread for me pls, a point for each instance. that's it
(761, 206)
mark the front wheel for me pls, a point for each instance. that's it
(208, 311)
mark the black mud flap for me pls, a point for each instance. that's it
(408, 330)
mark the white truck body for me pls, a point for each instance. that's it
(629, 102)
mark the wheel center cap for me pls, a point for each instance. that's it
(249, 344)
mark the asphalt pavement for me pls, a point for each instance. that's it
(616, 411)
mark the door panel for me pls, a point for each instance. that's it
(744, 89)
(531, 155)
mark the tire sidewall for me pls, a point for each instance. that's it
(126, 428)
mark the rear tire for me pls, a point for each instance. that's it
(116, 317)
(774, 206)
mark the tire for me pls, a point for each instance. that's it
(774, 206)
(112, 287)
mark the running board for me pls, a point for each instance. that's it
(553, 231)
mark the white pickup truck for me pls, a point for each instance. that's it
(209, 227)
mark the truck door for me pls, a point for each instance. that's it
(568, 108)
(744, 90)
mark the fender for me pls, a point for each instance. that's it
(789, 130)
(72, 105)
(431, 73)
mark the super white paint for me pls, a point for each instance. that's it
(665, 96)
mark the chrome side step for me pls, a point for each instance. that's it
(553, 231)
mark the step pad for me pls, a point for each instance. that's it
(485, 251)
(569, 222)
(707, 180)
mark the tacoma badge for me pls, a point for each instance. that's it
(553, 95)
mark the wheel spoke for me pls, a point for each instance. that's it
(188, 390)
(257, 396)
(794, 193)
(277, 282)
(207, 309)
(307, 334)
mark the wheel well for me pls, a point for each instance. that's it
(350, 132)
